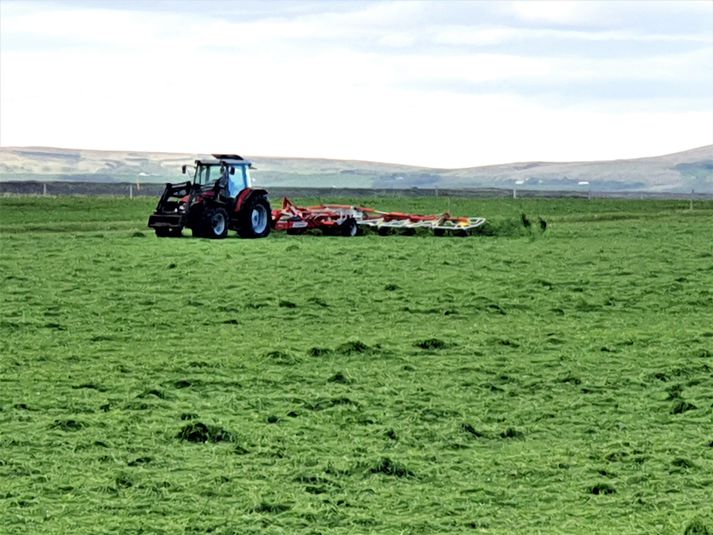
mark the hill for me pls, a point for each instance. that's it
(678, 172)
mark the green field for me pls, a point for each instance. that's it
(521, 382)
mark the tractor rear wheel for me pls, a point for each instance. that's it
(214, 224)
(254, 218)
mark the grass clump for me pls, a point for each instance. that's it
(602, 488)
(353, 347)
(385, 466)
(68, 425)
(680, 406)
(199, 432)
(697, 526)
(431, 344)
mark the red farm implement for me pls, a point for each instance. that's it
(346, 220)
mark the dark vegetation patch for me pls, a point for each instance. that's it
(123, 481)
(602, 488)
(571, 379)
(391, 434)
(286, 304)
(153, 392)
(281, 357)
(682, 462)
(230, 321)
(341, 378)
(505, 342)
(139, 461)
(318, 301)
(681, 406)
(328, 403)
(512, 433)
(272, 419)
(353, 347)
(431, 344)
(200, 432)
(385, 466)
(68, 425)
(319, 351)
(468, 428)
(188, 416)
(185, 383)
(271, 508)
(392, 287)
(697, 526)
(496, 309)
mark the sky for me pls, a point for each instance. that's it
(432, 83)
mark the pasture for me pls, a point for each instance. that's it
(519, 382)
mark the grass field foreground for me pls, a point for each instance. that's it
(521, 382)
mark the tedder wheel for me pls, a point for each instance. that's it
(384, 231)
(349, 227)
(254, 218)
(166, 232)
(439, 232)
(214, 223)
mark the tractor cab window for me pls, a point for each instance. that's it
(207, 174)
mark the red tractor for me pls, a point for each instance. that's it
(219, 198)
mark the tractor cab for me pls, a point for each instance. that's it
(228, 173)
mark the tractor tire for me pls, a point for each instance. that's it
(165, 232)
(214, 224)
(254, 218)
(349, 228)
(384, 231)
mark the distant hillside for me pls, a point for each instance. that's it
(679, 172)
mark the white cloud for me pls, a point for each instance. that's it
(375, 82)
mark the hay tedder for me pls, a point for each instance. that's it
(345, 220)
(221, 197)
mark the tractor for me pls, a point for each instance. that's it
(218, 198)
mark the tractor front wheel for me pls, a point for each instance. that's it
(254, 218)
(214, 224)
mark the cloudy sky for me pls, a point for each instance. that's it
(449, 84)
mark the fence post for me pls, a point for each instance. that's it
(131, 191)
(691, 205)
(44, 190)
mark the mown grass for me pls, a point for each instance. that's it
(524, 382)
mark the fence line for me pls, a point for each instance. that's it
(126, 189)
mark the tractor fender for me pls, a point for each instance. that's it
(246, 194)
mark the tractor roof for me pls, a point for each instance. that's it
(230, 159)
